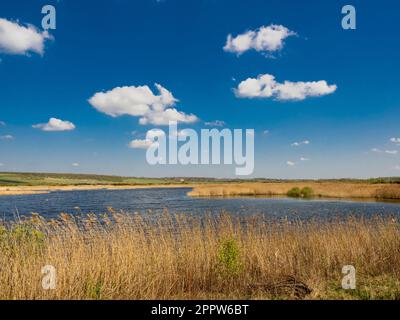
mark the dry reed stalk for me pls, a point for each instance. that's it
(171, 256)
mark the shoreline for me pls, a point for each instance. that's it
(321, 190)
(29, 190)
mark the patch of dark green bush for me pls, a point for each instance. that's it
(296, 192)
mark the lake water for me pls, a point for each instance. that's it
(175, 200)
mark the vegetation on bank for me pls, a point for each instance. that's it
(65, 179)
(172, 256)
(304, 189)
(59, 179)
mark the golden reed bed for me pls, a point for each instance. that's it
(122, 256)
(21, 190)
(321, 189)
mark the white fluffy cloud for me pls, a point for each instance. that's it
(141, 102)
(265, 86)
(75, 164)
(391, 151)
(55, 124)
(304, 159)
(19, 39)
(298, 144)
(264, 39)
(395, 140)
(290, 163)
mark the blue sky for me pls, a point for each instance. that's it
(101, 45)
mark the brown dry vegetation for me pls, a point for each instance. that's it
(321, 189)
(21, 190)
(121, 256)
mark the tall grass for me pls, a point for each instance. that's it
(173, 256)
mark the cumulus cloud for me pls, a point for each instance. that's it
(290, 163)
(265, 39)
(265, 86)
(7, 137)
(19, 39)
(215, 123)
(298, 144)
(75, 164)
(141, 102)
(395, 140)
(55, 124)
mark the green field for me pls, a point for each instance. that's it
(59, 179)
(68, 179)
(64, 179)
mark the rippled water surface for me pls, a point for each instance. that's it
(176, 200)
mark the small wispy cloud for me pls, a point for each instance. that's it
(304, 159)
(2, 123)
(151, 139)
(7, 137)
(377, 150)
(75, 164)
(395, 140)
(290, 163)
(215, 123)
(140, 144)
(298, 144)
